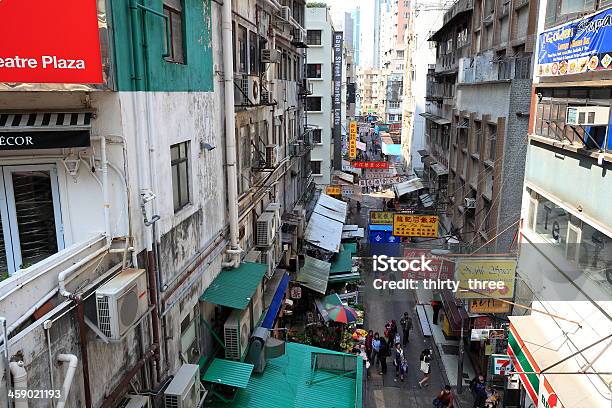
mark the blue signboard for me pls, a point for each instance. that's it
(579, 46)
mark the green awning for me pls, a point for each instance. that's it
(226, 372)
(314, 274)
(235, 287)
(350, 246)
(332, 299)
(345, 277)
(342, 262)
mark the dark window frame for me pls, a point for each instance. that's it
(175, 166)
(313, 74)
(314, 37)
(170, 11)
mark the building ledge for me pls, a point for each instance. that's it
(497, 81)
(569, 147)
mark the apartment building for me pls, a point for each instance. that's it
(368, 84)
(566, 240)
(319, 105)
(477, 115)
(104, 274)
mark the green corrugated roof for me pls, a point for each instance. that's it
(232, 373)
(235, 287)
(332, 299)
(345, 277)
(285, 383)
(314, 274)
(342, 262)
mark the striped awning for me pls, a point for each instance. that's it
(19, 131)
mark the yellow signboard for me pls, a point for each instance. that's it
(333, 190)
(488, 306)
(352, 140)
(381, 217)
(414, 225)
(485, 277)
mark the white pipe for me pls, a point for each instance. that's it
(72, 361)
(25, 316)
(62, 277)
(230, 134)
(105, 193)
(20, 380)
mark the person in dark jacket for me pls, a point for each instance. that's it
(368, 344)
(399, 361)
(478, 386)
(425, 367)
(382, 355)
(436, 305)
(406, 323)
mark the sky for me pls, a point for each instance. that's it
(339, 7)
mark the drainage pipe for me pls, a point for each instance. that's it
(230, 135)
(66, 273)
(72, 361)
(80, 312)
(7, 371)
(20, 380)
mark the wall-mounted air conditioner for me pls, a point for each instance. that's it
(246, 90)
(266, 98)
(271, 156)
(588, 115)
(121, 302)
(275, 208)
(271, 56)
(236, 332)
(268, 257)
(135, 401)
(299, 36)
(184, 389)
(265, 229)
(285, 13)
(470, 203)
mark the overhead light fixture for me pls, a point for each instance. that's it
(71, 163)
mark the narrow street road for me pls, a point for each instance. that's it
(382, 306)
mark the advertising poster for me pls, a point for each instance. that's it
(580, 46)
(483, 272)
(414, 225)
(50, 42)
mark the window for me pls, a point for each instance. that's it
(31, 224)
(253, 54)
(315, 166)
(400, 54)
(316, 136)
(313, 37)
(313, 104)
(179, 160)
(313, 71)
(173, 9)
(242, 49)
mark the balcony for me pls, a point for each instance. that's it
(459, 8)
(486, 68)
(449, 63)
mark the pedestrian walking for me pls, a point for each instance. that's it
(445, 398)
(425, 366)
(436, 305)
(358, 206)
(406, 323)
(399, 361)
(368, 344)
(375, 349)
(383, 354)
(478, 386)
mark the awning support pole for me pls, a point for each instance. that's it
(210, 329)
(576, 353)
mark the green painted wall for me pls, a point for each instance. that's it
(196, 75)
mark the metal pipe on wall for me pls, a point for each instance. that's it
(230, 134)
(80, 314)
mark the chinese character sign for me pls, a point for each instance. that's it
(352, 140)
(413, 225)
(333, 190)
(381, 217)
(370, 164)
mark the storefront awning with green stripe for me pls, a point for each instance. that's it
(235, 287)
(226, 372)
(314, 274)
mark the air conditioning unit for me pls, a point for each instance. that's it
(266, 98)
(265, 229)
(470, 203)
(257, 303)
(252, 256)
(275, 208)
(588, 115)
(253, 89)
(135, 401)
(285, 13)
(271, 156)
(271, 56)
(121, 302)
(236, 332)
(184, 389)
(299, 36)
(268, 258)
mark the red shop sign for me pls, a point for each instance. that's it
(370, 164)
(46, 41)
